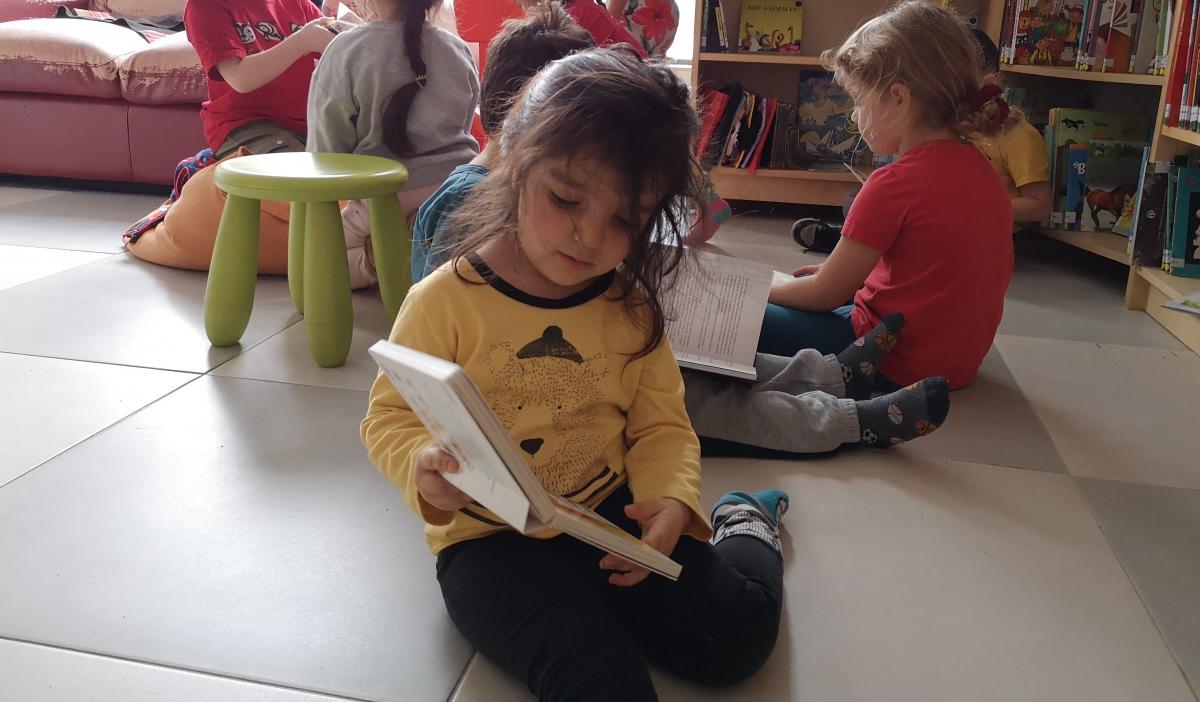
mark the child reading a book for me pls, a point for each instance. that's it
(519, 51)
(930, 235)
(258, 58)
(553, 307)
(400, 88)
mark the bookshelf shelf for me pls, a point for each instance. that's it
(841, 176)
(1072, 74)
(1187, 136)
(762, 57)
(1114, 247)
(1149, 289)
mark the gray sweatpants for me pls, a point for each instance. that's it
(797, 404)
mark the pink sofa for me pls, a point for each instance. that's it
(83, 99)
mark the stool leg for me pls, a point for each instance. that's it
(392, 243)
(328, 312)
(232, 273)
(296, 254)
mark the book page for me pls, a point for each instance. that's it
(586, 525)
(715, 313)
(429, 392)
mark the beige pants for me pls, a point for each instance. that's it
(356, 223)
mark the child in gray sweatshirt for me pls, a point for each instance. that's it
(400, 88)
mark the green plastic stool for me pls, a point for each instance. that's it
(318, 272)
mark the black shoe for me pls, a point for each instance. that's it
(816, 235)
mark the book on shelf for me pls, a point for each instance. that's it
(1174, 100)
(1069, 127)
(771, 25)
(1183, 256)
(712, 104)
(1116, 36)
(1076, 174)
(1110, 181)
(715, 312)
(491, 469)
(817, 130)
(713, 37)
(1145, 241)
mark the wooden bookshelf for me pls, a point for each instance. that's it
(1187, 136)
(1150, 288)
(761, 57)
(1090, 76)
(1114, 247)
(826, 25)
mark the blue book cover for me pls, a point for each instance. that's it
(1185, 242)
(1077, 158)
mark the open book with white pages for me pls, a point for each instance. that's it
(715, 313)
(491, 468)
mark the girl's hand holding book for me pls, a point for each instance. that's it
(436, 490)
(662, 520)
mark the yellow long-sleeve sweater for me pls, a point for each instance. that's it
(561, 377)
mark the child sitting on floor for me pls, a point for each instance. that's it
(258, 58)
(553, 307)
(400, 88)
(519, 51)
(930, 235)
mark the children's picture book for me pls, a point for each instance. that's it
(715, 312)
(1077, 157)
(1046, 32)
(1152, 12)
(1113, 168)
(1146, 247)
(1074, 126)
(817, 129)
(1119, 44)
(713, 38)
(1185, 237)
(491, 469)
(1035, 102)
(771, 25)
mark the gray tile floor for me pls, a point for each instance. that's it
(183, 523)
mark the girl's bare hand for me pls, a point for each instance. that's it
(432, 462)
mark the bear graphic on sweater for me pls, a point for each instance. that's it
(547, 392)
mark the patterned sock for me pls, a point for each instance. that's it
(914, 411)
(750, 514)
(861, 359)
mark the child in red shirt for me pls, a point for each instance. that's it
(258, 56)
(929, 235)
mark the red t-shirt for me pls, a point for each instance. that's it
(943, 221)
(223, 29)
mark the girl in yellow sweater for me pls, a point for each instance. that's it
(552, 306)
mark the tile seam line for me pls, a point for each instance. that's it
(103, 429)
(1137, 591)
(182, 669)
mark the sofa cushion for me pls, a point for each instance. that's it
(25, 9)
(64, 57)
(163, 73)
(146, 9)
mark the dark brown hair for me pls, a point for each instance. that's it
(519, 51)
(930, 50)
(395, 115)
(633, 117)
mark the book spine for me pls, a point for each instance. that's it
(722, 31)
(1178, 68)
(1006, 31)
(1188, 104)
(1169, 232)
(704, 22)
(1164, 29)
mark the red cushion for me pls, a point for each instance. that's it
(163, 73)
(64, 56)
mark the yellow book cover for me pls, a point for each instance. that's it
(771, 25)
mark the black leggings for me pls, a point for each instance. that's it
(543, 611)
